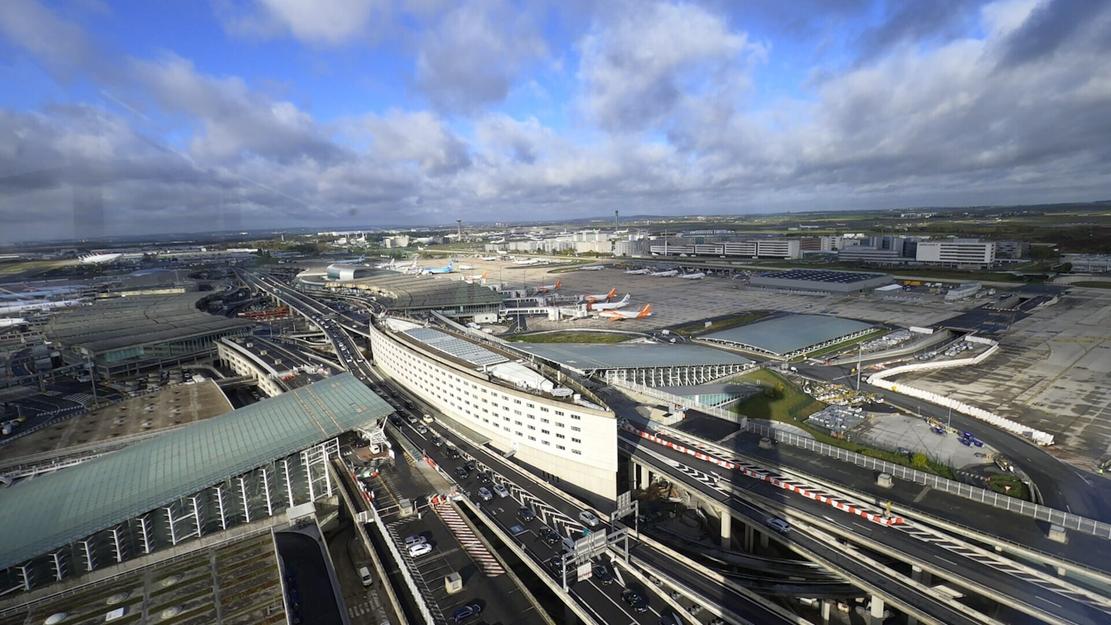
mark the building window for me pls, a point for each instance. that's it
(560, 447)
(575, 428)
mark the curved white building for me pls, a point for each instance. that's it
(519, 410)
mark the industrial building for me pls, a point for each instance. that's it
(544, 420)
(820, 280)
(789, 336)
(750, 248)
(128, 335)
(957, 252)
(400, 292)
(650, 364)
(243, 466)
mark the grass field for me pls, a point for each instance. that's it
(30, 268)
(694, 328)
(1094, 284)
(571, 337)
(794, 406)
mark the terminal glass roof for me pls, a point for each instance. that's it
(456, 347)
(823, 275)
(592, 356)
(789, 333)
(55, 509)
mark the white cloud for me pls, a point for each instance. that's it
(318, 22)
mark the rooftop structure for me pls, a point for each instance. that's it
(820, 280)
(185, 483)
(125, 335)
(407, 292)
(644, 363)
(277, 365)
(791, 335)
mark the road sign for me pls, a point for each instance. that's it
(584, 571)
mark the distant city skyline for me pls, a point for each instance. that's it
(139, 118)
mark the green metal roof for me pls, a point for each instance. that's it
(789, 333)
(53, 510)
(590, 356)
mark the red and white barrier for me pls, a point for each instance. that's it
(765, 475)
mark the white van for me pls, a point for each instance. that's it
(364, 577)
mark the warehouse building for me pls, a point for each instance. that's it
(820, 280)
(789, 336)
(242, 466)
(650, 364)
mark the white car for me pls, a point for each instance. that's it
(420, 549)
(588, 519)
(501, 490)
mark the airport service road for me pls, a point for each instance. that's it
(1017, 592)
(562, 515)
(455, 549)
(1062, 486)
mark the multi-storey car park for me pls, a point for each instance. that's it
(244, 466)
(542, 422)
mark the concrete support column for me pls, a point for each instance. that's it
(826, 608)
(749, 538)
(920, 576)
(726, 528)
(764, 540)
(876, 609)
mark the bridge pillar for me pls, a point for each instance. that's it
(827, 606)
(750, 538)
(919, 575)
(764, 540)
(876, 609)
(726, 528)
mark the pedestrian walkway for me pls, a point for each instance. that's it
(470, 543)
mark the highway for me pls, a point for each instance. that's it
(964, 568)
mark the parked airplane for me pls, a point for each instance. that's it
(477, 277)
(637, 272)
(618, 315)
(489, 258)
(698, 275)
(465, 267)
(529, 261)
(603, 297)
(448, 268)
(547, 288)
(599, 306)
(404, 267)
(665, 274)
(592, 268)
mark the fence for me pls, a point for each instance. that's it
(967, 491)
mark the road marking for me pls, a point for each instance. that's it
(1047, 600)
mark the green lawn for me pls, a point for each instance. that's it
(571, 337)
(695, 328)
(1093, 284)
(1009, 485)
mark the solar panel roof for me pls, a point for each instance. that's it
(456, 347)
(789, 333)
(822, 275)
(55, 509)
(590, 356)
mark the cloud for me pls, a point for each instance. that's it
(472, 56)
(638, 66)
(1051, 25)
(420, 138)
(60, 45)
(913, 22)
(318, 22)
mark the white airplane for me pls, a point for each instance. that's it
(548, 288)
(637, 272)
(465, 267)
(618, 315)
(477, 277)
(602, 297)
(665, 274)
(501, 252)
(592, 268)
(698, 275)
(600, 306)
(489, 258)
(405, 267)
(529, 261)
(388, 265)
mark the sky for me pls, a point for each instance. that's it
(137, 117)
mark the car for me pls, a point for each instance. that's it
(634, 600)
(411, 419)
(602, 573)
(670, 618)
(422, 430)
(415, 539)
(526, 514)
(588, 519)
(364, 576)
(466, 612)
(461, 473)
(453, 453)
(501, 490)
(548, 535)
(437, 442)
(778, 524)
(471, 465)
(486, 476)
(420, 549)
(485, 494)
(427, 418)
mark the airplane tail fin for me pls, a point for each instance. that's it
(644, 312)
(556, 287)
(612, 294)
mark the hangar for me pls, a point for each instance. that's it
(788, 336)
(821, 280)
(650, 364)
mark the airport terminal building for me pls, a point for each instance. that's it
(516, 408)
(650, 364)
(788, 336)
(230, 470)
